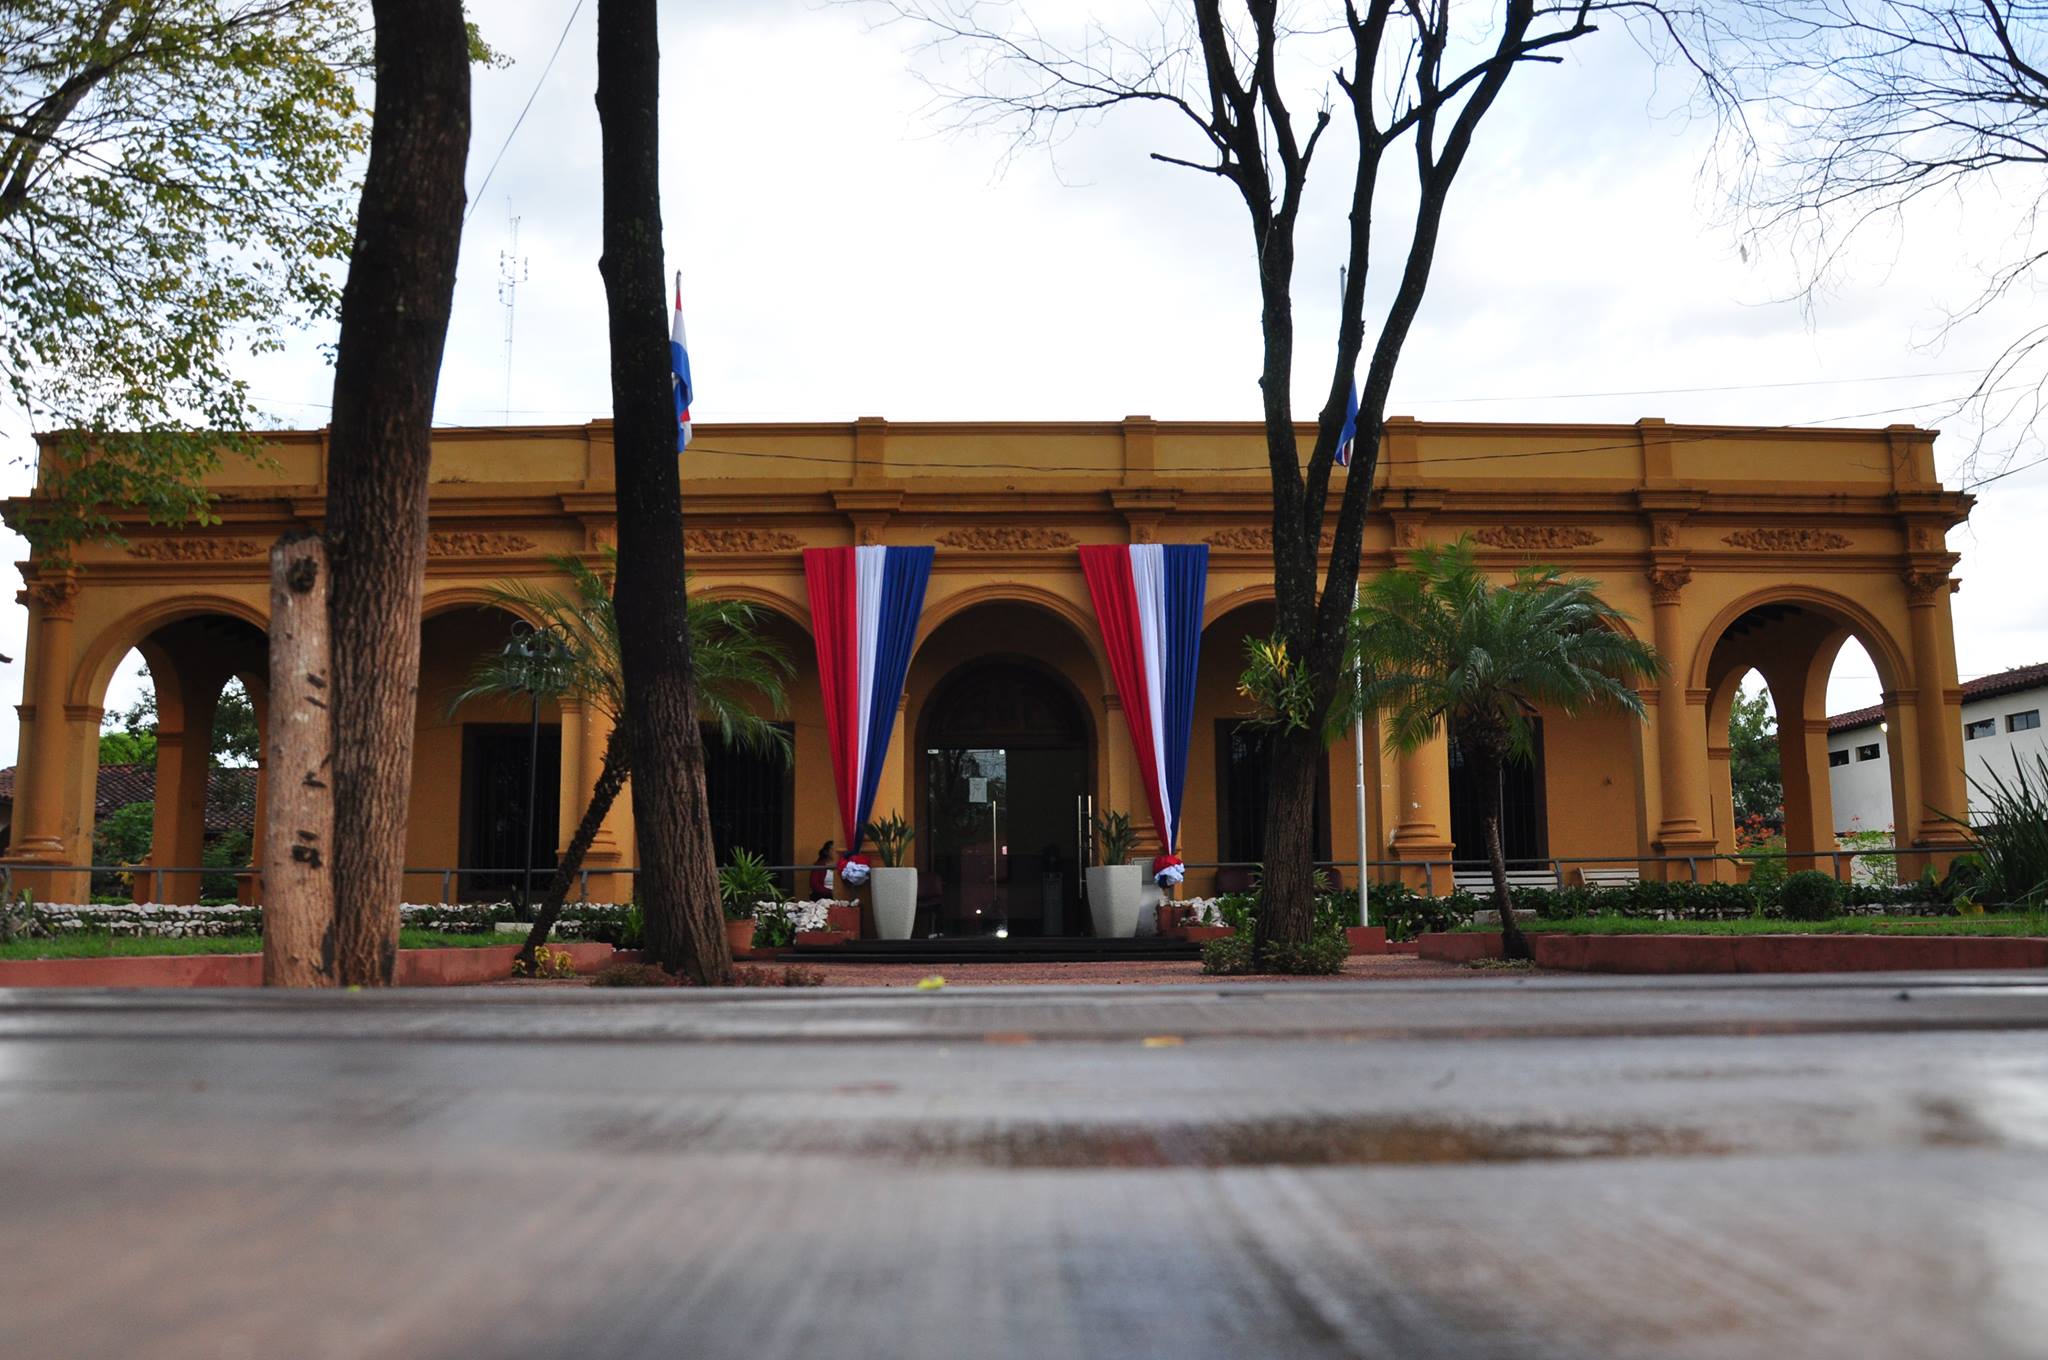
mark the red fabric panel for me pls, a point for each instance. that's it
(829, 576)
(1108, 569)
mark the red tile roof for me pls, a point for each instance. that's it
(1983, 687)
(230, 793)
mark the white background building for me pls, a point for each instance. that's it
(2002, 716)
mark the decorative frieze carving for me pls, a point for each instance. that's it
(1544, 536)
(195, 549)
(1245, 538)
(993, 538)
(739, 541)
(475, 543)
(1787, 540)
(1667, 582)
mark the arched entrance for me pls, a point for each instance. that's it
(1004, 746)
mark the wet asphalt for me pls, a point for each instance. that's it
(1497, 1166)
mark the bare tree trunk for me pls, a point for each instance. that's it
(618, 765)
(298, 820)
(1287, 873)
(1486, 768)
(678, 869)
(394, 320)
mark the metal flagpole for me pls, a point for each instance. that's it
(1357, 676)
(1358, 750)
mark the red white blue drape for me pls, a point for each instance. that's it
(865, 604)
(1148, 601)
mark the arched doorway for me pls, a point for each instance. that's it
(1005, 748)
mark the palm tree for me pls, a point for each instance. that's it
(1437, 642)
(735, 664)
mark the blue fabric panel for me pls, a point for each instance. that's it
(905, 573)
(1187, 586)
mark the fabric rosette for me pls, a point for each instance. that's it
(853, 870)
(1168, 871)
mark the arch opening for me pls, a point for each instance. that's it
(170, 799)
(1796, 782)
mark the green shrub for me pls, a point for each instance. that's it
(631, 975)
(1230, 956)
(1323, 953)
(1407, 913)
(789, 975)
(2012, 835)
(1810, 895)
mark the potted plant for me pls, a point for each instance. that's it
(743, 882)
(893, 884)
(1115, 886)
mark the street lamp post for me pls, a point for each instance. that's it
(538, 652)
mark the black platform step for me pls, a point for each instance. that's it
(986, 949)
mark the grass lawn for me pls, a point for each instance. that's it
(124, 946)
(1842, 925)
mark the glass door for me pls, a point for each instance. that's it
(967, 811)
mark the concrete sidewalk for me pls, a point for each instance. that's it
(1514, 1166)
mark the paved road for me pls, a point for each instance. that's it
(1496, 1167)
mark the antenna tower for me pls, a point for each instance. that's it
(512, 271)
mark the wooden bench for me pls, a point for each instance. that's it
(1610, 878)
(1479, 882)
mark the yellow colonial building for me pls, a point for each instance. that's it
(1730, 548)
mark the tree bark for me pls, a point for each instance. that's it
(394, 321)
(1486, 768)
(298, 819)
(1287, 874)
(611, 777)
(678, 870)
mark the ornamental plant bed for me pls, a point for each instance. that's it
(1749, 953)
(1202, 934)
(823, 939)
(416, 968)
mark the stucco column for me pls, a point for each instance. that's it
(593, 731)
(1422, 827)
(892, 793)
(1809, 801)
(41, 782)
(1721, 780)
(178, 834)
(1118, 788)
(1686, 827)
(1938, 726)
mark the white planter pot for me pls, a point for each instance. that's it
(895, 899)
(1150, 895)
(1113, 893)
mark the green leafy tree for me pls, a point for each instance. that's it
(1753, 758)
(123, 835)
(176, 188)
(1252, 89)
(736, 665)
(130, 736)
(1438, 643)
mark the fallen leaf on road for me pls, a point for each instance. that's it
(1163, 1041)
(931, 984)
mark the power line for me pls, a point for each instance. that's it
(478, 196)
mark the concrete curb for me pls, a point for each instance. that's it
(1749, 953)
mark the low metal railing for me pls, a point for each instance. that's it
(451, 879)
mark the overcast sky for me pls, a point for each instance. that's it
(843, 257)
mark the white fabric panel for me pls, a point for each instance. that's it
(1148, 580)
(868, 565)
